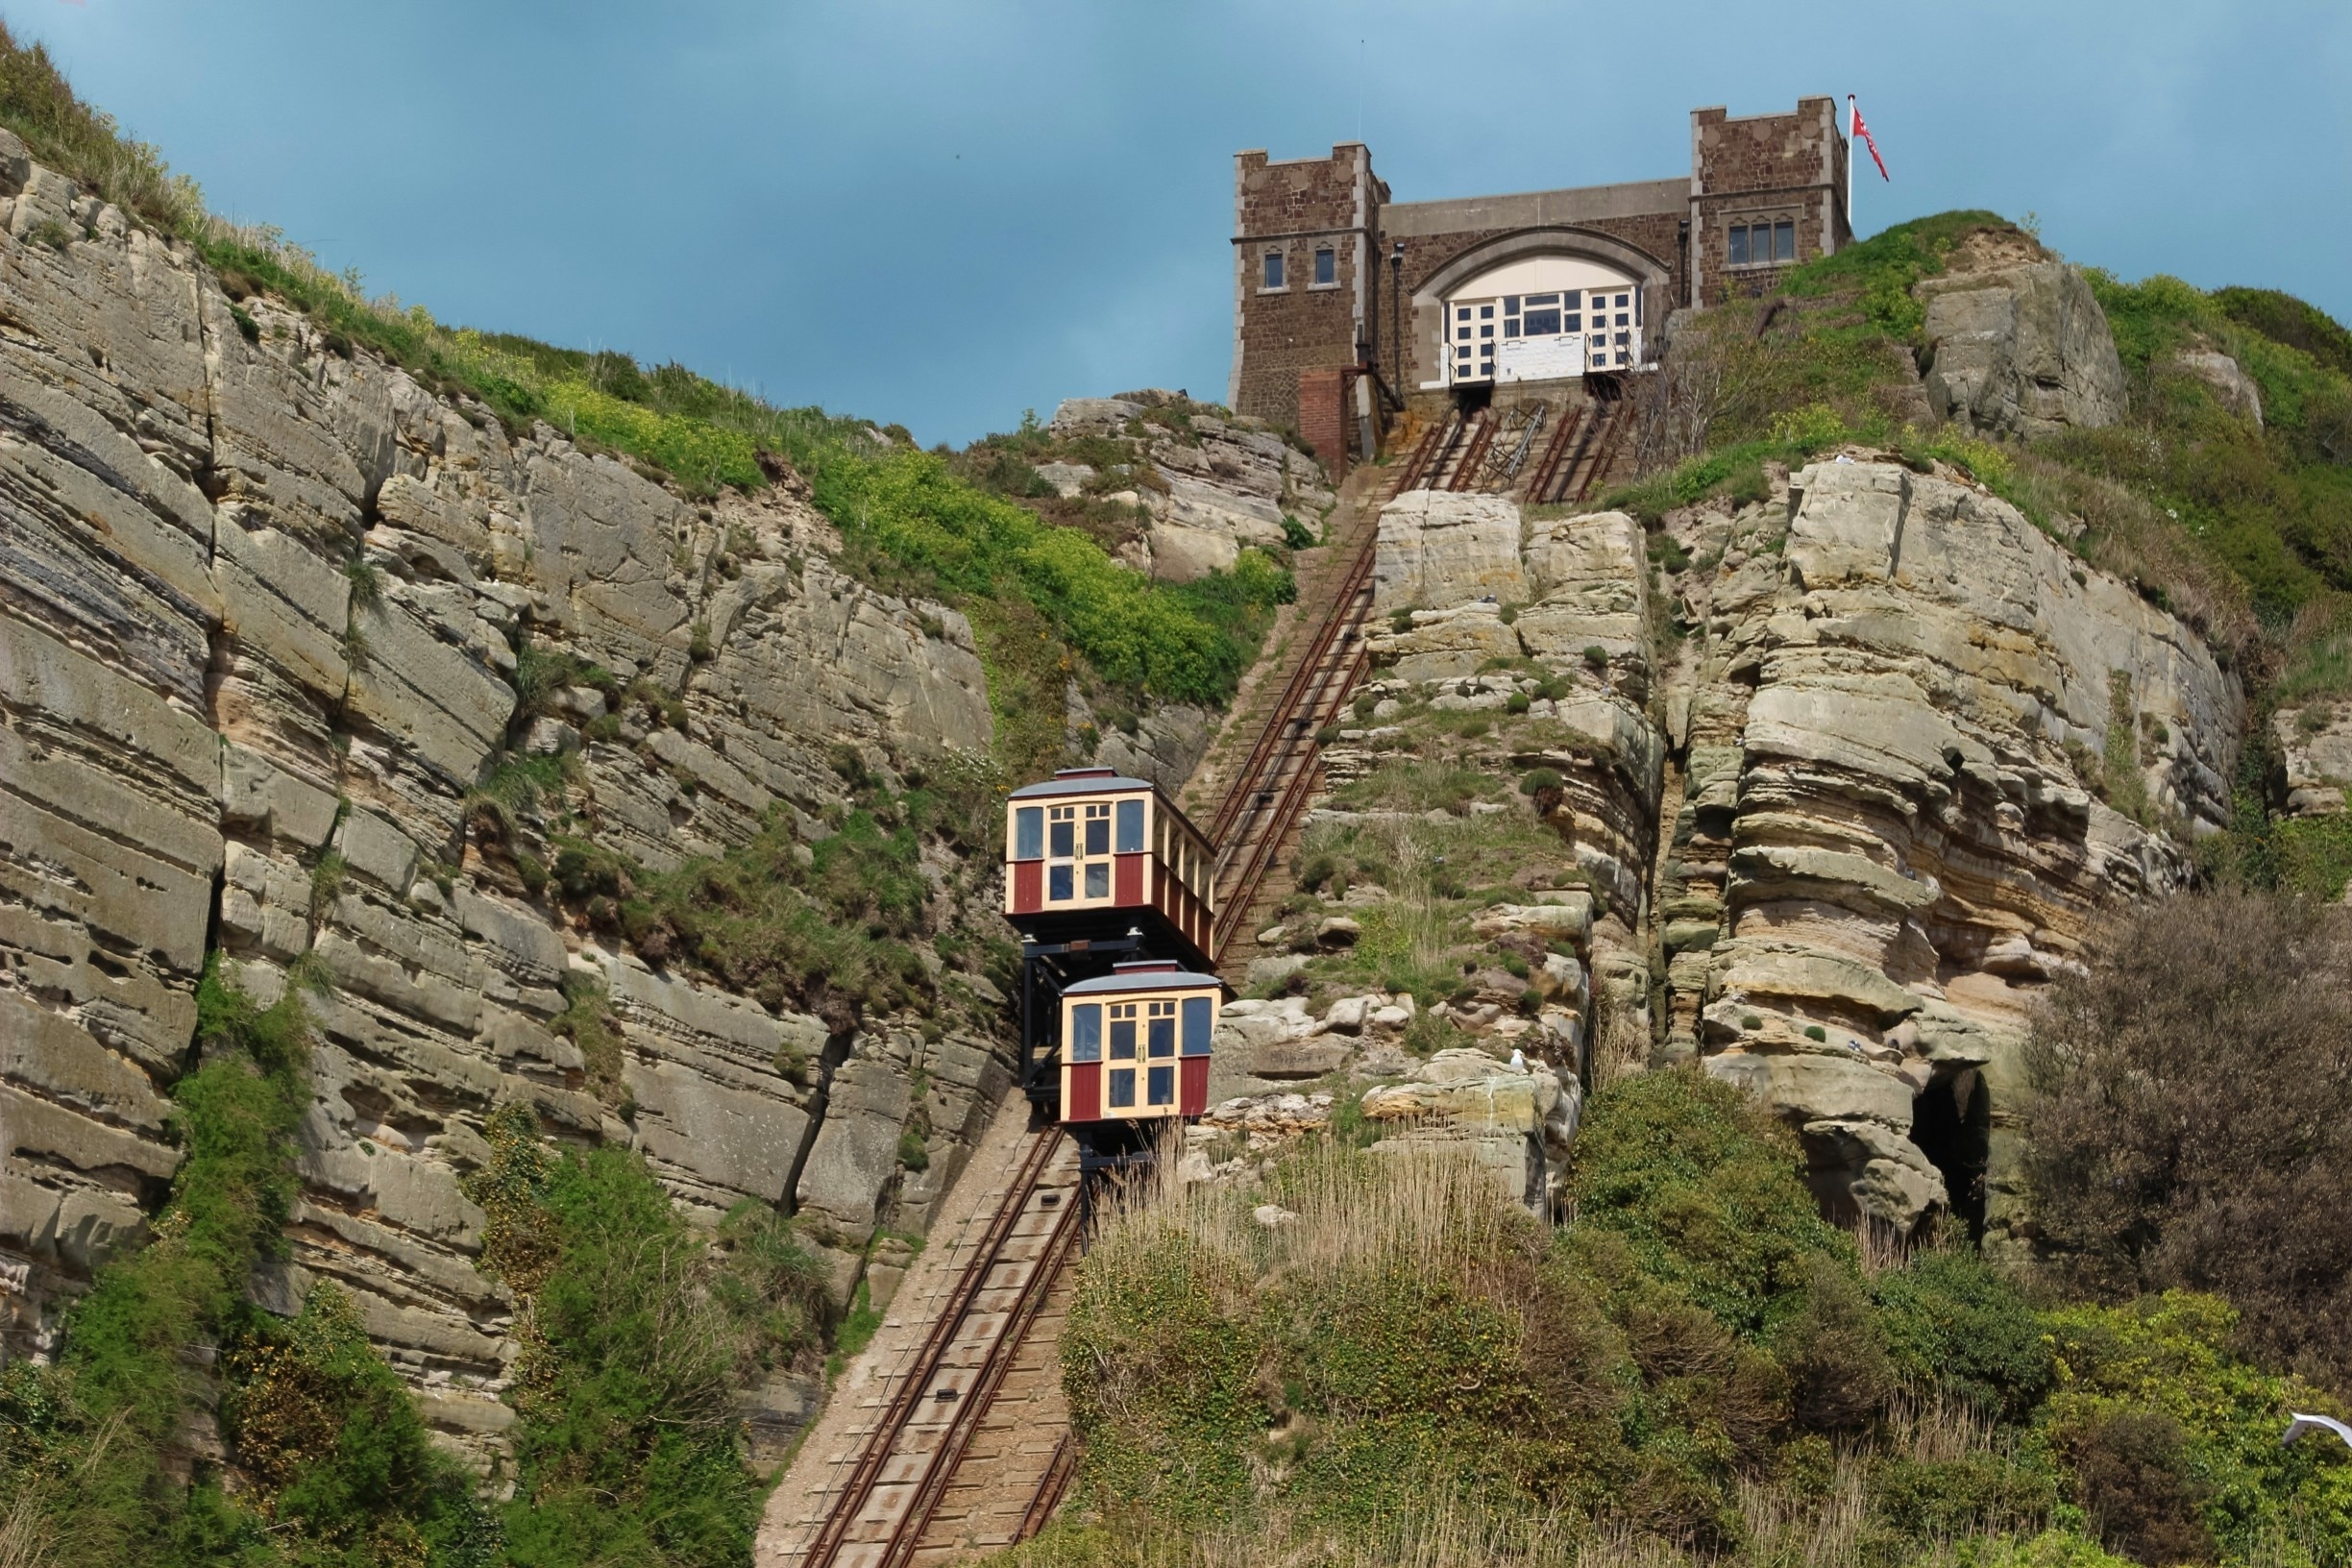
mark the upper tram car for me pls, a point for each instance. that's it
(1089, 852)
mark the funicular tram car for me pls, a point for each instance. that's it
(1112, 888)
(1089, 852)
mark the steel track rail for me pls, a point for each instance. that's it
(925, 1364)
(1247, 781)
(941, 1466)
(1056, 1480)
(1604, 448)
(1301, 766)
(1555, 453)
(1467, 471)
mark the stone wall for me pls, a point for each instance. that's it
(1766, 166)
(259, 595)
(1771, 168)
(1291, 209)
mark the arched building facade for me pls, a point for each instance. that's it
(1345, 299)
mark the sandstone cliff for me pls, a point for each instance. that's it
(263, 601)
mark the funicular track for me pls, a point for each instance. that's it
(1582, 451)
(938, 1471)
(1269, 791)
(960, 1458)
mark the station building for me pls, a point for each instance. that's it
(1349, 305)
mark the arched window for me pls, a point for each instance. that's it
(1540, 318)
(1273, 269)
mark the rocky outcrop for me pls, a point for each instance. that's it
(1210, 485)
(2020, 351)
(2313, 742)
(2226, 379)
(260, 597)
(1923, 748)
(1517, 1121)
(1850, 788)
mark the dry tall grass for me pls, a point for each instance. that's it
(1436, 1219)
(1428, 1218)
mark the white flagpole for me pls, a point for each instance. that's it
(1852, 113)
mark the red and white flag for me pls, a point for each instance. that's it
(1861, 133)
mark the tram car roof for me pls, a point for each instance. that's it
(1067, 781)
(1144, 974)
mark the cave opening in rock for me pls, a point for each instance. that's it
(1952, 1125)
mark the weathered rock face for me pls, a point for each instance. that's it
(1211, 486)
(2238, 391)
(1897, 712)
(2314, 741)
(1906, 750)
(259, 601)
(1518, 1121)
(2020, 351)
(1439, 549)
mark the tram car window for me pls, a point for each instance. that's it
(1090, 850)
(1135, 1043)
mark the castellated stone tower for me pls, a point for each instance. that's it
(1345, 299)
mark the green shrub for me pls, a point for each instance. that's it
(637, 1328)
(1705, 1191)
(2185, 1130)
(1955, 1328)
(1536, 780)
(337, 1461)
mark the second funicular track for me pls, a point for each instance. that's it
(1270, 790)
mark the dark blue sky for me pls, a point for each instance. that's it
(944, 212)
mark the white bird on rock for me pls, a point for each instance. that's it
(1518, 1064)
(2302, 1424)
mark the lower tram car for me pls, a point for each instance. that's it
(1135, 1043)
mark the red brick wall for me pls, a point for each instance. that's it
(1324, 415)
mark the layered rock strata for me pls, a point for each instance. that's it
(1208, 486)
(1853, 784)
(261, 600)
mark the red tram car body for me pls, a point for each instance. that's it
(1135, 1043)
(1089, 850)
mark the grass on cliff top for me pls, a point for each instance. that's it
(2241, 529)
(1698, 1370)
(913, 523)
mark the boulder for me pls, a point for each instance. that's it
(1437, 549)
(1519, 1120)
(1067, 478)
(2238, 391)
(1336, 931)
(2021, 351)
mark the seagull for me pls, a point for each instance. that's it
(1518, 1064)
(2302, 1424)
